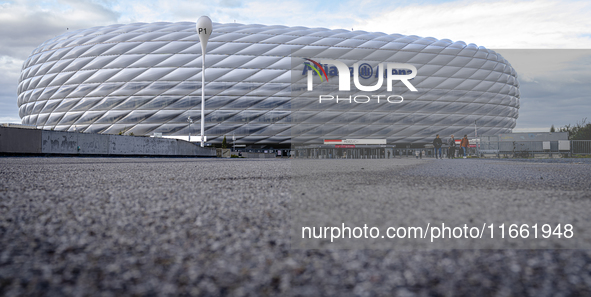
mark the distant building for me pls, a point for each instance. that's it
(533, 136)
(22, 126)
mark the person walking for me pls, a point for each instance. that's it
(452, 147)
(464, 145)
(437, 143)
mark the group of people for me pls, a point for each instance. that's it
(451, 142)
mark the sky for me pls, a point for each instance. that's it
(547, 42)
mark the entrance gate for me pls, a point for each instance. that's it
(359, 152)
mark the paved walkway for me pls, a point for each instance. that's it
(156, 226)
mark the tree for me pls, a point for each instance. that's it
(224, 143)
(552, 129)
(580, 131)
(583, 132)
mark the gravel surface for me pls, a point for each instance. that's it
(474, 193)
(158, 227)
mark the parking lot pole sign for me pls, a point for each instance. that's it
(204, 28)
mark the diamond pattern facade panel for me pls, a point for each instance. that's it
(146, 78)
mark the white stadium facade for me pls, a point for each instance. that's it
(146, 79)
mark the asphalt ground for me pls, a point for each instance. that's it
(211, 227)
(432, 193)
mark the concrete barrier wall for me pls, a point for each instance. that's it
(187, 148)
(55, 142)
(126, 145)
(31, 141)
(258, 155)
(15, 140)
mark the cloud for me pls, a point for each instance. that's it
(10, 69)
(176, 10)
(24, 25)
(555, 89)
(560, 65)
(493, 24)
(287, 13)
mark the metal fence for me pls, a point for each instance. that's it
(480, 148)
(581, 147)
(527, 149)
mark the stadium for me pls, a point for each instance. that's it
(145, 79)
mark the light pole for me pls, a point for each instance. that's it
(190, 120)
(204, 28)
(475, 137)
